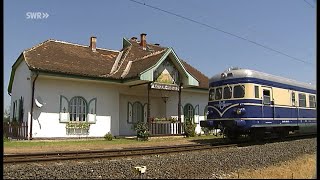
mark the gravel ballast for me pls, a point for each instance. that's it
(216, 163)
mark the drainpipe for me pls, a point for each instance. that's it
(179, 108)
(32, 99)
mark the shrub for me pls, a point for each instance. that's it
(190, 128)
(142, 130)
(207, 130)
(173, 120)
(5, 138)
(108, 136)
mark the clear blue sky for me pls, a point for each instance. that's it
(287, 25)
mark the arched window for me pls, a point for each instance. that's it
(188, 112)
(137, 112)
(78, 109)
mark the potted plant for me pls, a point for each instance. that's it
(77, 127)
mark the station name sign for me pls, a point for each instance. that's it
(169, 87)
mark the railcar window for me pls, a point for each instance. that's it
(205, 113)
(266, 96)
(238, 91)
(218, 94)
(312, 101)
(211, 94)
(227, 92)
(302, 100)
(256, 91)
(293, 98)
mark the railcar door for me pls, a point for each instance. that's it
(267, 104)
(294, 109)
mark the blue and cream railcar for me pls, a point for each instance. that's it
(243, 101)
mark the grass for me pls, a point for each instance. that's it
(64, 142)
(94, 142)
(303, 167)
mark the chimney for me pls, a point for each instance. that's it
(143, 41)
(134, 38)
(93, 43)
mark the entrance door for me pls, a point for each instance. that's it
(267, 104)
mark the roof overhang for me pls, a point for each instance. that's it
(13, 71)
(187, 78)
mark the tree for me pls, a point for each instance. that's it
(6, 114)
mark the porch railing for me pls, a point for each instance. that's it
(166, 128)
(15, 130)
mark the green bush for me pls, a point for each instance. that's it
(5, 138)
(190, 128)
(108, 136)
(207, 130)
(142, 130)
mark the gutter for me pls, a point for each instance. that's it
(32, 99)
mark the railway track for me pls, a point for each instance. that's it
(93, 154)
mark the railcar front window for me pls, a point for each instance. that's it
(293, 99)
(256, 91)
(227, 92)
(302, 100)
(266, 97)
(312, 101)
(211, 94)
(238, 91)
(218, 94)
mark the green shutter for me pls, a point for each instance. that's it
(145, 113)
(92, 110)
(196, 114)
(129, 113)
(64, 106)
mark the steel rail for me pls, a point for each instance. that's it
(74, 155)
(128, 152)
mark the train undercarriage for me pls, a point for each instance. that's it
(233, 130)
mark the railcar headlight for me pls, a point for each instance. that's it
(241, 111)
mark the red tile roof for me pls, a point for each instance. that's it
(68, 58)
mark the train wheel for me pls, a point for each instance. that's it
(232, 134)
(257, 134)
(282, 133)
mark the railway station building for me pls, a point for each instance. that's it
(65, 90)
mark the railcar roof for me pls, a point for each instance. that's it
(242, 73)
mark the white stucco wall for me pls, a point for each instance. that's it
(192, 97)
(21, 87)
(157, 109)
(46, 119)
(112, 100)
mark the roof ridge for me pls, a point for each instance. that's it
(40, 44)
(149, 55)
(151, 44)
(75, 44)
(121, 61)
(194, 68)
